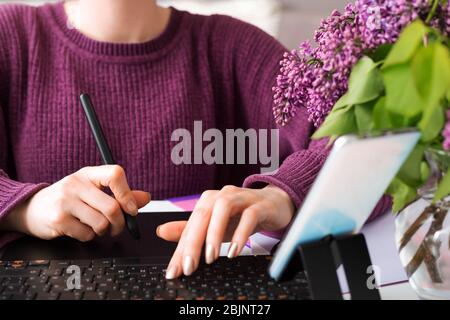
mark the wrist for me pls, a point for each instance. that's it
(285, 207)
(14, 220)
(283, 195)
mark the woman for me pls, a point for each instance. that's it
(149, 70)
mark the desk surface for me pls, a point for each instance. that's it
(399, 291)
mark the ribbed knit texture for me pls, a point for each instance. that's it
(215, 69)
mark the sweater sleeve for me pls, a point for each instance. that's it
(12, 191)
(257, 65)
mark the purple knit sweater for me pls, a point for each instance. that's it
(215, 69)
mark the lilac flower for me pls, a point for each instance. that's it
(315, 77)
(446, 134)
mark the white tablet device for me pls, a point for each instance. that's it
(347, 189)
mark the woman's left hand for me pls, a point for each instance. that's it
(232, 213)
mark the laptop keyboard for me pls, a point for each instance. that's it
(244, 278)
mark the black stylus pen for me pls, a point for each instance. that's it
(105, 152)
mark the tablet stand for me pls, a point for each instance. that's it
(321, 259)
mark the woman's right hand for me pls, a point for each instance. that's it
(77, 207)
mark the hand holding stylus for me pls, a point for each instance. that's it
(76, 206)
(105, 152)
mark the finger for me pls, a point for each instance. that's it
(224, 209)
(92, 218)
(113, 176)
(141, 197)
(174, 269)
(246, 227)
(73, 228)
(105, 204)
(196, 230)
(187, 254)
(171, 231)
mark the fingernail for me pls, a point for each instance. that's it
(233, 250)
(210, 255)
(132, 207)
(188, 266)
(171, 273)
(157, 231)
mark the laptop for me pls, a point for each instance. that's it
(340, 201)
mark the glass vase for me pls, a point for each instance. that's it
(422, 235)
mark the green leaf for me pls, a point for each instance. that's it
(431, 70)
(337, 123)
(432, 123)
(424, 171)
(411, 170)
(381, 52)
(443, 189)
(408, 42)
(401, 193)
(381, 118)
(402, 96)
(342, 102)
(365, 82)
(363, 115)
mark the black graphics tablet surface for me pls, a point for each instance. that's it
(29, 248)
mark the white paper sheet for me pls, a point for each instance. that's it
(160, 206)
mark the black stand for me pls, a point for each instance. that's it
(321, 259)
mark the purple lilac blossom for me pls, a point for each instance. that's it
(315, 77)
(446, 134)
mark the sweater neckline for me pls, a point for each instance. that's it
(83, 42)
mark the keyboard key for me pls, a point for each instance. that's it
(107, 287)
(13, 281)
(59, 288)
(128, 262)
(39, 263)
(59, 264)
(55, 272)
(57, 280)
(36, 280)
(23, 296)
(47, 296)
(94, 296)
(18, 264)
(13, 288)
(15, 272)
(71, 295)
(117, 295)
(102, 263)
(82, 263)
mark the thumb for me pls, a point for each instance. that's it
(171, 231)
